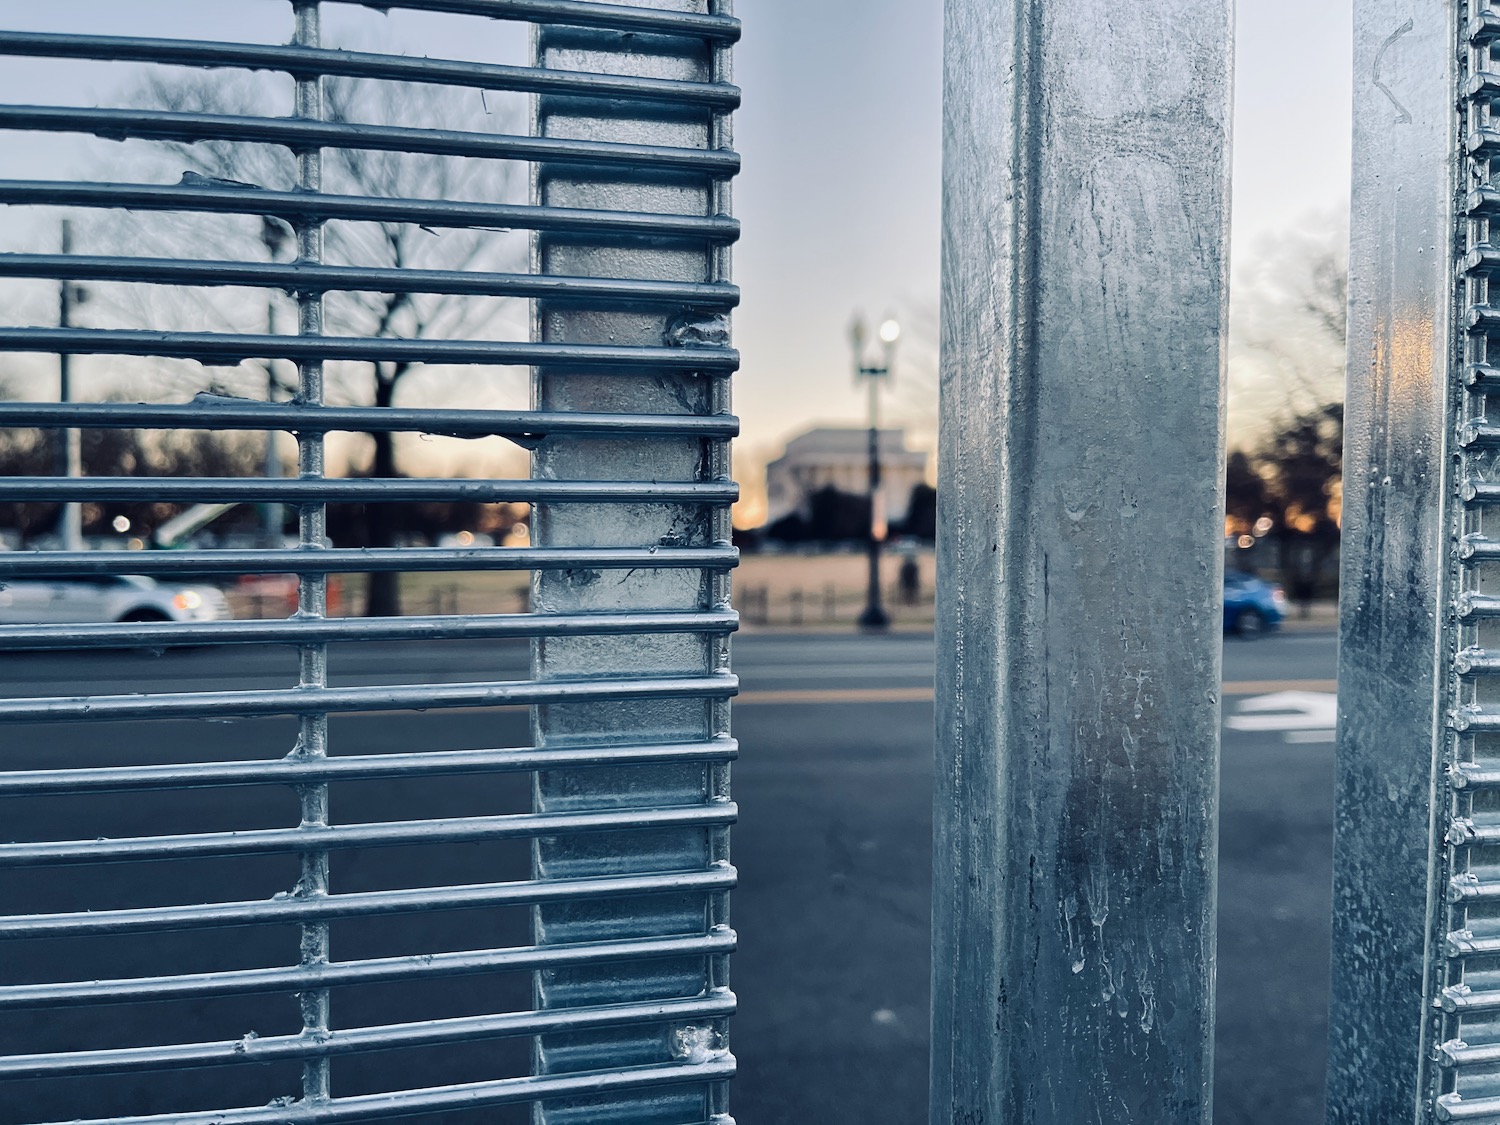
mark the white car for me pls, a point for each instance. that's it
(106, 597)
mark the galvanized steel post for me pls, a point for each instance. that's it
(1080, 559)
(1411, 549)
(698, 1092)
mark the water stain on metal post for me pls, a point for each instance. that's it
(1080, 560)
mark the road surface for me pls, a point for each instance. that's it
(833, 849)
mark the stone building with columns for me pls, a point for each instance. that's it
(839, 456)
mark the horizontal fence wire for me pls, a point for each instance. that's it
(218, 412)
(231, 348)
(183, 744)
(202, 195)
(293, 490)
(293, 59)
(330, 700)
(301, 771)
(448, 830)
(322, 630)
(367, 560)
(297, 277)
(465, 1096)
(431, 1033)
(166, 125)
(279, 911)
(374, 971)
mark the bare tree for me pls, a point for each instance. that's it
(380, 244)
(1288, 322)
(118, 452)
(1288, 314)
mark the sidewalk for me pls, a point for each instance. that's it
(1323, 617)
(824, 594)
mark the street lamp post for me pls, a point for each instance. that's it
(273, 235)
(70, 452)
(874, 616)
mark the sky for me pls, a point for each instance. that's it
(840, 137)
(840, 196)
(840, 193)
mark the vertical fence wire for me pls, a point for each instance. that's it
(720, 137)
(312, 599)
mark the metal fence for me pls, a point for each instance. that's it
(194, 917)
(1414, 924)
(1079, 560)
(1076, 791)
(154, 894)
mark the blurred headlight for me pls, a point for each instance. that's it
(188, 599)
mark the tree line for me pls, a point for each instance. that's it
(1285, 489)
(1288, 490)
(833, 516)
(206, 453)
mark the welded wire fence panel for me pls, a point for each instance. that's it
(314, 314)
(1461, 990)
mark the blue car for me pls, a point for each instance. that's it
(1251, 607)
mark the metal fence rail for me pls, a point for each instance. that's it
(1406, 869)
(626, 835)
(1079, 612)
(1459, 983)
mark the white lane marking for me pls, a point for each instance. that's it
(1308, 736)
(1266, 687)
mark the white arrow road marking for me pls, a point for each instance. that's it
(1304, 716)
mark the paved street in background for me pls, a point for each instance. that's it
(834, 853)
(1275, 886)
(833, 847)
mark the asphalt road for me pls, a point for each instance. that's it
(833, 849)
(1275, 887)
(833, 999)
